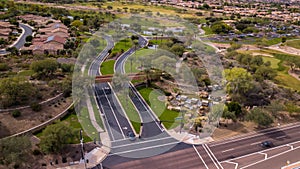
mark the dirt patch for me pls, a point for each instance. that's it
(28, 119)
(227, 130)
(262, 54)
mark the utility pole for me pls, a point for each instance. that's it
(82, 149)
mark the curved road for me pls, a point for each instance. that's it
(21, 40)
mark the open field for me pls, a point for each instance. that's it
(274, 62)
(278, 62)
(107, 67)
(293, 43)
(164, 10)
(159, 107)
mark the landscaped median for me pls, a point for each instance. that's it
(130, 110)
(107, 67)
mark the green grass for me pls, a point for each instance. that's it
(159, 107)
(293, 43)
(107, 67)
(97, 113)
(207, 30)
(122, 46)
(131, 112)
(284, 79)
(158, 41)
(136, 62)
(274, 62)
(71, 120)
(273, 41)
(86, 124)
(26, 73)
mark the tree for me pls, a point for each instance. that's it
(206, 6)
(229, 115)
(55, 137)
(274, 107)
(260, 117)
(265, 73)
(177, 49)
(28, 38)
(14, 91)
(14, 150)
(235, 108)
(239, 80)
(44, 67)
(76, 23)
(283, 39)
(220, 27)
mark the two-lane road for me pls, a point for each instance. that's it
(21, 40)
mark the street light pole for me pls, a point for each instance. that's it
(82, 149)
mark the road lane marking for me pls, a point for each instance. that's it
(265, 150)
(200, 156)
(120, 140)
(227, 150)
(255, 143)
(281, 137)
(114, 113)
(104, 117)
(265, 154)
(145, 148)
(147, 108)
(268, 158)
(141, 142)
(236, 164)
(238, 138)
(212, 156)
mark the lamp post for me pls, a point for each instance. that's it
(82, 149)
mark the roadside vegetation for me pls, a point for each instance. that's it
(166, 116)
(107, 67)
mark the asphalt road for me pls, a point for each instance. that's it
(210, 156)
(21, 41)
(151, 126)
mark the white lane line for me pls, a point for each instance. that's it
(266, 150)
(200, 156)
(141, 142)
(281, 137)
(255, 143)
(213, 155)
(147, 108)
(210, 156)
(120, 140)
(265, 154)
(268, 158)
(238, 138)
(108, 126)
(145, 148)
(227, 150)
(236, 164)
(114, 114)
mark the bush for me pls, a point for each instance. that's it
(16, 113)
(36, 152)
(3, 67)
(36, 107)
